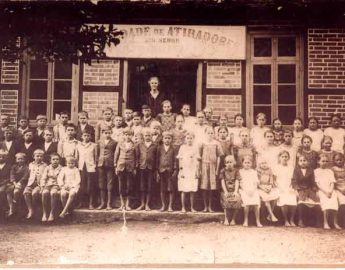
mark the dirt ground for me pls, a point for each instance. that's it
(168, 243)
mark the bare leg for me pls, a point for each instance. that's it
(71, 197)
(102, 195)
(285, 215)
(128, 202)
(335, 220)
(257, 216)
(300, 216)
(28, 201)
(9, 196)
(269, 208)
(148, 200)
(45, 204)
(122, 202)
(183, 202)
(246, 213)
(64, 198)
(226, 219)
(54, 195)
(325, 221)
(210, 197)
(171, 201)
(205, 199)
(192, 195)
(109, 207)
(233, 220)
(162, 201)
(292, 215)
(142, 199)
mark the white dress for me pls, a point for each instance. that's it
(269, 153)
(338, 138)
(249, 187)
(316, 136)
(257, 136)
(324, 178)
(292, 152)
(287, 195)
(296, 139)
(188, 157)
(235, 131)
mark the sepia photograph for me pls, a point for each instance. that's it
(172, 133)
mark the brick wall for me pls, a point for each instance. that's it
(9, 104)
(223, 75)
(326, 58)
(95, 102)
(102, 73)
(225, 104)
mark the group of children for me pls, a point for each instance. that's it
(81, 164)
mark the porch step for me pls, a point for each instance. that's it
(99, 216)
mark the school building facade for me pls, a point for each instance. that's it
(285, 63)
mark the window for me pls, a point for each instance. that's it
(275, 77)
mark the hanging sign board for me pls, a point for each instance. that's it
(180, 42)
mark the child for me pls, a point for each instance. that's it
(117, 129)
(166, 169)
(229, 197)
(249, 190)
(208, 117)
(189, 121)
(277, 128)
(235, 131)
(48, 146)
(178, 132)
(324, 178)
(287, 145)
(156, 129)
(189, 170)
(33, 188)
(136, 123)
(50, 188)
(297, 132)
(19, 178)
(4, 124)
(9, 145)
(41, 121)
(69, 183)
(87, 160)
(68, 146)
(337, 133)
(314, 133)
(128, 118)
(167, 118)
(107, 121)
(339, 174)
(222, 123)
(60, 129)
(308, 153)
(23, 124)
(225, 143)
(326, 149)
(147, 116)
(303, 181)
(287, 195)
(258, 131)
(27, 146)
(244, 149)
(199, 128)
(125, 163)
(268, 150)
(211, 153)
(5, 172)
(83, 124)
(138, 138)
(146, 153)
(267, 188)
(106, 149)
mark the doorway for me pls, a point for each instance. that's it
(177, 80)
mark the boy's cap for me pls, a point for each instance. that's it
(38, 151)
(41, 116)
(23, 155)
(167, 134)
(145, 107)
(27, 131)
(3, 152)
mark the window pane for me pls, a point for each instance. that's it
(286, 73)
(37, 107)
(287, 94)
(286, 46)
(262, 94)
(38, 89)
(62, 90)
(287, 114)
(38, 69)
(262, 47)
(60, 106)
(62, 70)
(262, 73)
(263, 109)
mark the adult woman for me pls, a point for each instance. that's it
(154, 98)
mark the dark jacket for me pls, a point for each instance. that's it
(146, 156)
(300, 181)
(125, 158)
(106, 153)
(27, 151)
(5, 174)
(166, 160)
(89, 128)
(47, 152)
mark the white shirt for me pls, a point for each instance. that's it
(2, 165)
(148, 144)
(27, 145)
(8, 144)
(46, 145)
(166, 147)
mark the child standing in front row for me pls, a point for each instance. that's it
(249, 190)
(5, 172)
(211, 153)
(230, 199)
(325, 181)
(339, 174)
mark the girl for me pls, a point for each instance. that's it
(257, 132)
(303, 181)
(267, 188)
(229, 197)
(211, 153)
(269, 151)
(189, 121)
(289, 147)
(107, 121)
(222, 123)
(277, 128)
(307, 152)
(287, 195)
(189, 163)
(326, 149)
(336, 133)
(199, 128)
(249, 190)
(235, 131)
(167, 117)
(178, 132)
(297, 132)
(315, 133)
(325, 180)
(226, 144)
(339, 174)
(244, 149)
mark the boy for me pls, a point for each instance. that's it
(5, 172)
(167, 118)
(68, 146)
(69, 182)
(189, 121)
(4, 124)
(83, 124)
(27, 146)
(33, 189)
(136, 127)
(23, 124)
(128, 118)
(125, 167)
(106, 148)
(146, 156)
(87, 160)
(60, 128)
(117, 129)
(147, 116)
(48, 146)
(107, 121)
(156, 129)
(9, 145)
(41, 121)
(166, 165)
